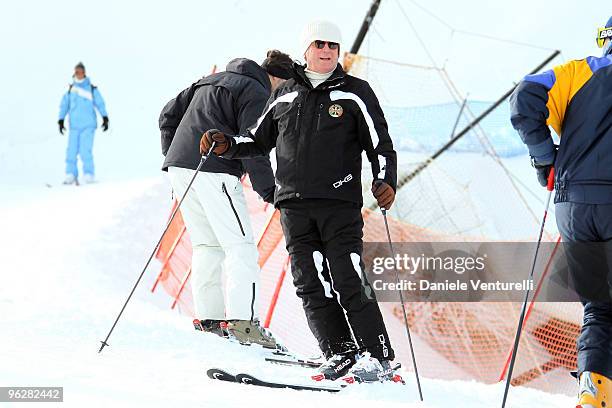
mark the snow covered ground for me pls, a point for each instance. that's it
(69, 258)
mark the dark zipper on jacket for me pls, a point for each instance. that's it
(233, 208)
(298, 186)
(297, 120)
(319, 117)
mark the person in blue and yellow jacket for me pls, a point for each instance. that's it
(79, 104)
(575, 99)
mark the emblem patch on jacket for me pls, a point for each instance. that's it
(335, 111)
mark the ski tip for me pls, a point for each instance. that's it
(246, 379)
(398, 379)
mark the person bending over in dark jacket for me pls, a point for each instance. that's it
(215, 210)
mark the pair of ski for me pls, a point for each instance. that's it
(243, 378)
(282, 356)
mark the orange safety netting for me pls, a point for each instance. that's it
(174, 253)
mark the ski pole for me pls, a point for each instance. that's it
(414, 363)
(519, 329)
(195, 173)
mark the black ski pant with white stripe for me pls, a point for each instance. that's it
(586, 230)
(324, 240)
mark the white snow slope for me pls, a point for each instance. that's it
(70, 256)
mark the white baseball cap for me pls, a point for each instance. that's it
(319, 30)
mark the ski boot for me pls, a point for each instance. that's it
(595, 391)
(70, 179)
(250, 332)
(336, 366)
(368, 369)
(89, 178)
(211, 326)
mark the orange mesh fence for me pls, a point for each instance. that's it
(271, 236)
(459, 340)
(481, 187)
(174, 253)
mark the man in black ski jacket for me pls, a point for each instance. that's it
(320, 122)
(215, 211)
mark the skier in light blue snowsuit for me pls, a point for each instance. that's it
(79, 103)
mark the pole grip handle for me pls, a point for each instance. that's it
(212, 148)
(551, 180)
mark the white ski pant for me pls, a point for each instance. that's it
(218, 223)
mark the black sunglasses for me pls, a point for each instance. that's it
(321, 44)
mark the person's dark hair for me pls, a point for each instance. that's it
(278, 64)
(80, 65)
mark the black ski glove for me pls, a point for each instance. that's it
(104, 123)
(543, 168)
(543, 172)
(61, 126)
